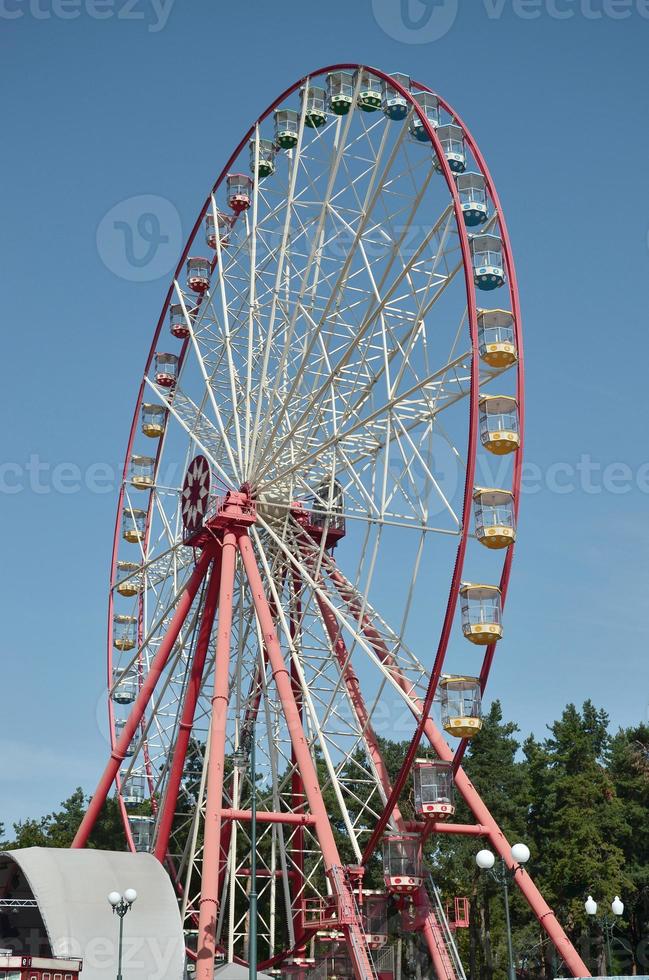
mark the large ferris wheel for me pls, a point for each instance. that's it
(311, 552)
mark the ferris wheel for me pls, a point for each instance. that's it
(315, 533)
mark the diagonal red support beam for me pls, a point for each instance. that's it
(158, 664)
(356, 942)
(432, 932)
(297, 789)
(192, 694)
(209, 900)
(496, 837)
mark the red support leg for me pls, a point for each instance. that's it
(209, 899)
(356, 943)
(431, 928)
(192, 694)
(137, 711)
(499, 842)
(297, 789)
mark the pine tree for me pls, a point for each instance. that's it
(57, 829)
(628, 763)
(575, 818)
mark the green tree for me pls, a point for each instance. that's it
(575, 818)
(500, 777)
(628, 764)
(57, 829)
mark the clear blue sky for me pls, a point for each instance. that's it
(150, 101)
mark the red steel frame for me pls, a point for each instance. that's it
(234, 541)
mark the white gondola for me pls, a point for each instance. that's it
(154, 420)
(497, 338)
(327, 513)
(141, 472)
(198, 273)
(472, 190)
(264, 152)
(374, 913)
(129, 578)
(433, 788)
(287, 127)
(340, 91)
(481, 613)
(369, 92)
(124, 631)
(430, 107)
(119, 728)
(488, 266)
(142, 831)
(223, 225)
(461, 706)
(132, 789)
(239, 191)
(402, 867)
(178, 324)
(133, 524)
(451, 137)
(499, 429)
(394, 104)
(124, 686)
(166, 369)
(315, 112)
(494, 517)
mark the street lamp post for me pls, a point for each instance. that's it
(252, 946)
(121, 905)
(245, 752)
(486, 860)
(607, 924)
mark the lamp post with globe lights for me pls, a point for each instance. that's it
(121, 905)
(486, 861)
(607, 923)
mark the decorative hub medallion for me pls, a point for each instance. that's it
(195, 494)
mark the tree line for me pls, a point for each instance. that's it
(579, 798)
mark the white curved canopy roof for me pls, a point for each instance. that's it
(234, 971)
(71, 889)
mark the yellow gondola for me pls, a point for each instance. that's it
(141, 472)
(154, 419)
(496, 338)
(129, 578)
(461, 703)
(133, 524)
(124, 632)
(481, 613)
(499, 424)
(494, 517)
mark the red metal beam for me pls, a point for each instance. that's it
(189, 709)
(440, 827)
(158, 664)
(357, 946)
(268, 816)
(432, 931)
(209, 900)
(499, 842)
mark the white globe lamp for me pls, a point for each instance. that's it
(485, 859)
